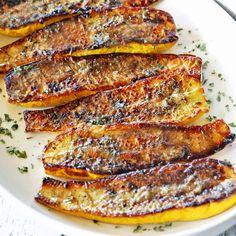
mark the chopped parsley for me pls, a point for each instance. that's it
(227, 107)
(209, 101)
(2, 141)
(23, 169)
(204, 80)
(138, 229)
(14, 151)
(17, 70)
(180, 29)
(162, 227)
(201, 47)
(231, 99)
(95, 221)
(5, 132)
(28, 68)
(211, 118)
(232, 124)
(219, 95)
(161, 66)
(205, 65)
(14, 127)
(7, 118)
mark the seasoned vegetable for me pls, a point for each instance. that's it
(176, 99)
(19, 18)
(97, 151)
(175, 192)
(54, 82)
(123, 29)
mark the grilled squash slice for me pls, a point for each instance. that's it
(54, 82)
(122, 29)
(175, 192)
(98, 151)
(30, 15)
(176, 99)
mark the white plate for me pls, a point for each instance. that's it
(210, 25)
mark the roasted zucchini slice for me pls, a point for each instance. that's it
(98, 151)
(122, 29)
(54, 82)
(175, 192)
(175, 99)
(30, 15)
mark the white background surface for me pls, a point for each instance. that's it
(15, 220)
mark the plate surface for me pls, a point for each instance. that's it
(204, 29)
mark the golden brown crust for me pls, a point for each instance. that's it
(19, 14)
(54, 82)
(136, 30)
(176, 99)
(121, 148)
(146, 192)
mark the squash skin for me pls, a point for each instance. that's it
(160, 144)
(207, 200)
(173, 99)
(122, 29)
(70, 78)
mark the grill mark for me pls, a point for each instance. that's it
(85, 32)
(64, 76)
(174, 186)
(130, 147)
(104, 108)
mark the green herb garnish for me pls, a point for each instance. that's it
(95, 221)
(162, 227)
(180, 29)
(232, 124)
(2, 141)
(202, 47)
(227, 107)
(138, 229)
(7, 118)
(14, 127)
(211, 118)
(23, 169)
(205, 65)
(6, 132)
(14, 151)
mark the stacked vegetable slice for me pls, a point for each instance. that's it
(121, 114)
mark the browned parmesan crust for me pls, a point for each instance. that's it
(97, 151)
(176, 99)
(54, 82)
(122, 29)
(180, 191)
(19, 18)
